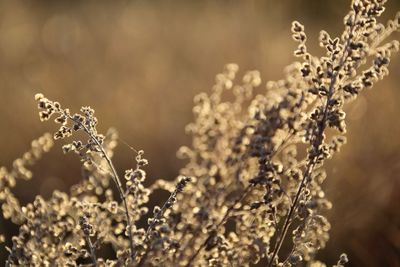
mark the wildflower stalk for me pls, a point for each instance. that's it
(170, 201)
(227, 213)
(92, 250)
(151, 226)
(87, 229)
(318, 141)
(116, 180)
(245, 193)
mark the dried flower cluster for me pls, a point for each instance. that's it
(252, 182)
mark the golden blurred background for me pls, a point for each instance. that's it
(139, 65)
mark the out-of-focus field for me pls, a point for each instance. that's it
(139, 65)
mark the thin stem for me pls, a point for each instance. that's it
(245, 193)
(160, 213)
(92, 250)
(312, 162)
(122, 195)
(167, 204)
(116, 180)
(157, 217)
(287, 223)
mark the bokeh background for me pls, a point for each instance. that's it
(139, 65)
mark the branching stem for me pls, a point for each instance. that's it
(313, 160)
(92, 250)
(116, 180)
(246, 191)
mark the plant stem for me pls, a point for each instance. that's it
(318, 141)
(245, 193)
(122, 195)
(151, 226)
(116, 180)
(92, 250)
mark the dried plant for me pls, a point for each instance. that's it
(252, 182)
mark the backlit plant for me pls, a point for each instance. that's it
(253, 179)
